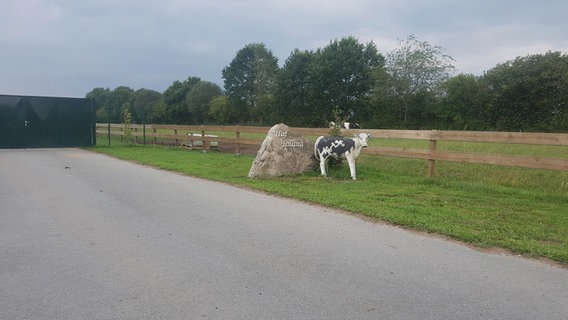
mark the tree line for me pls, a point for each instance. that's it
(414, 86)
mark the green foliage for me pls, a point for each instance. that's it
(146, 105)
(174, 98)
(264, 111)
(416, 71)
(312, 84)
(335, 131)
(98, 98)
(335, 124)
(115, 102)
(464, 105)
(127, 122)
(418, 66)
(293, 102)
(340, 77)
(198, 101)
(413, 88)
(529, 93)
(251, 74)
(523, 210)
(220, 110)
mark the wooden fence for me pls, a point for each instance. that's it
(204, 136)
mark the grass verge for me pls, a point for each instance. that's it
(521, 210)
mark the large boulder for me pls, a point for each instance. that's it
(283, 152)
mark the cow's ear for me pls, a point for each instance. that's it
(368, 135)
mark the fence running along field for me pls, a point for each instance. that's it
(243, 139)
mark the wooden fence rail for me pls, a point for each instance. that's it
(205, 136)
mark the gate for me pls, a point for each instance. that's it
(45, 122)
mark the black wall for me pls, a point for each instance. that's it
(45, 122)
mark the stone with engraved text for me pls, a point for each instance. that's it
(283, 152)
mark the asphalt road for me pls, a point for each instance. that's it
(86, 236)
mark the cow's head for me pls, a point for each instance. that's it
(363, 138)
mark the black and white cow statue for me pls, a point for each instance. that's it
(337, 147)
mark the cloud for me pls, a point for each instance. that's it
(68, 47)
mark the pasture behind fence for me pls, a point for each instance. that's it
(243, 139)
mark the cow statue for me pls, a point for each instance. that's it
(337, 147)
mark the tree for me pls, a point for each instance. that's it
(198, 99)
(384, 108)
(340, 78)
(127, 122)
(529, 93)
(464, 105)
(115, 102)
(417, 69)
(220, 110)
(174, 99)
(292, 90)
(159, 112)
(250, 74)
(98, 97)
(145, 104)
(265, 110)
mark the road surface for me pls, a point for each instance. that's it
(86, 236)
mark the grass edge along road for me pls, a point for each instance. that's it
(522, 210)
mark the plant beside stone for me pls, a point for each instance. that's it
(335, 131)
(127, 122)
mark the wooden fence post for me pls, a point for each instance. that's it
(238, 136)
(432, 162)
(191, 145)
(154, 131)
(205, 143)
(175, 133)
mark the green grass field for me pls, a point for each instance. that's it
(522, 210)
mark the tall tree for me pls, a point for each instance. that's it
(292, 90)
(145, 104)
(220, 110)
(98, 98)
(174, 100)
(417, 69)
(250, 75)
(530, 93)
(340, 77)
(384, 108)
(198, 99)
(464, 105)
(116, 101)
(265, 111)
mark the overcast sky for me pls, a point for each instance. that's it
(69, 47)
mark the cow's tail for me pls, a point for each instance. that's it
(316, 153)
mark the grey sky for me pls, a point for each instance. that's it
(69, 47)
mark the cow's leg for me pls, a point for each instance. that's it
(351, 161)
(322, 165)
